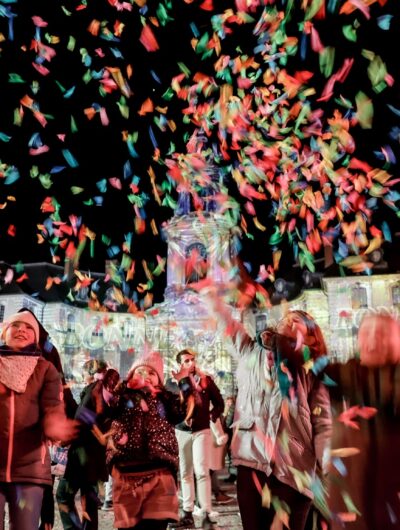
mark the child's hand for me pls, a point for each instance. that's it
(136, 382)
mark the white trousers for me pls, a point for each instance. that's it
(194, 461)
(108, 489)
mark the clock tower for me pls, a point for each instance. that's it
(199, 247)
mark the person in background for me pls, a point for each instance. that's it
(86, 461)
(142, 451)
(31, 410)
(228, 421)
(282, 423)
(108, 502)
(194, 439)
(217, 460)
(364, 477)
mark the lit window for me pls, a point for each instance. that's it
(359, 297)
(396, 294)
(196, 262)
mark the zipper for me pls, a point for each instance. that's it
(11, 437)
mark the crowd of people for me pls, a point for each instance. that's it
(311, 444)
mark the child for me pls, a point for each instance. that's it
(86, 461)
(31, 410)
(142, 450)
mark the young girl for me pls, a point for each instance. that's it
(31, 410)
(282, 423)
(142, 450)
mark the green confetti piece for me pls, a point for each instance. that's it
(350, 33)
(106, 240)
(365, 110)
(184, 69)
(349, 503)
(46, 181)
(17, 118)
(71, 43)
(76, 190)
(313, 9)
(15, 78)
(326, 61)
(73, 126)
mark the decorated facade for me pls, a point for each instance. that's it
(201, 249)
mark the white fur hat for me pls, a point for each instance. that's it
(23, 316)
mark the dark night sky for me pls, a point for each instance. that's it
(100, 150)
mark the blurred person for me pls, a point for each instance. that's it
(108, 501)
(86, 460)
(31, 410)
(228, 415)
(364, 479)
(142, 451)
(217, 460)
(282, 423)
(194, 439)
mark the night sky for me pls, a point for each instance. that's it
(106, 108)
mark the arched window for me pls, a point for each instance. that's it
(71, 322)
(396, 294)
(359, 297)
(97, 330)
(196, 262)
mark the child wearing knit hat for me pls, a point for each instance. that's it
(32, 410)
(147, 370)
(142, 450)
(22, 329)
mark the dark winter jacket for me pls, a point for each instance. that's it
(50, 353)
(143, 434)
(24, 456)
(205, 393)
(366, 404)
(86, 462)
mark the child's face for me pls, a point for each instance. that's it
(19, 335)
(149, 375)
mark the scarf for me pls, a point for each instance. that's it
(16, 367)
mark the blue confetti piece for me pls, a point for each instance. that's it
(338, 464)
(113, 251)
(4, 137)
(155, 77)
(102, 185)
(69, 92)
(386, 232)
(127, 170)
(57, 169)
(153, 138)
(384, 21)
(71, 161)
(12, 174)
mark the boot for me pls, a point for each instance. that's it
(186, 521)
